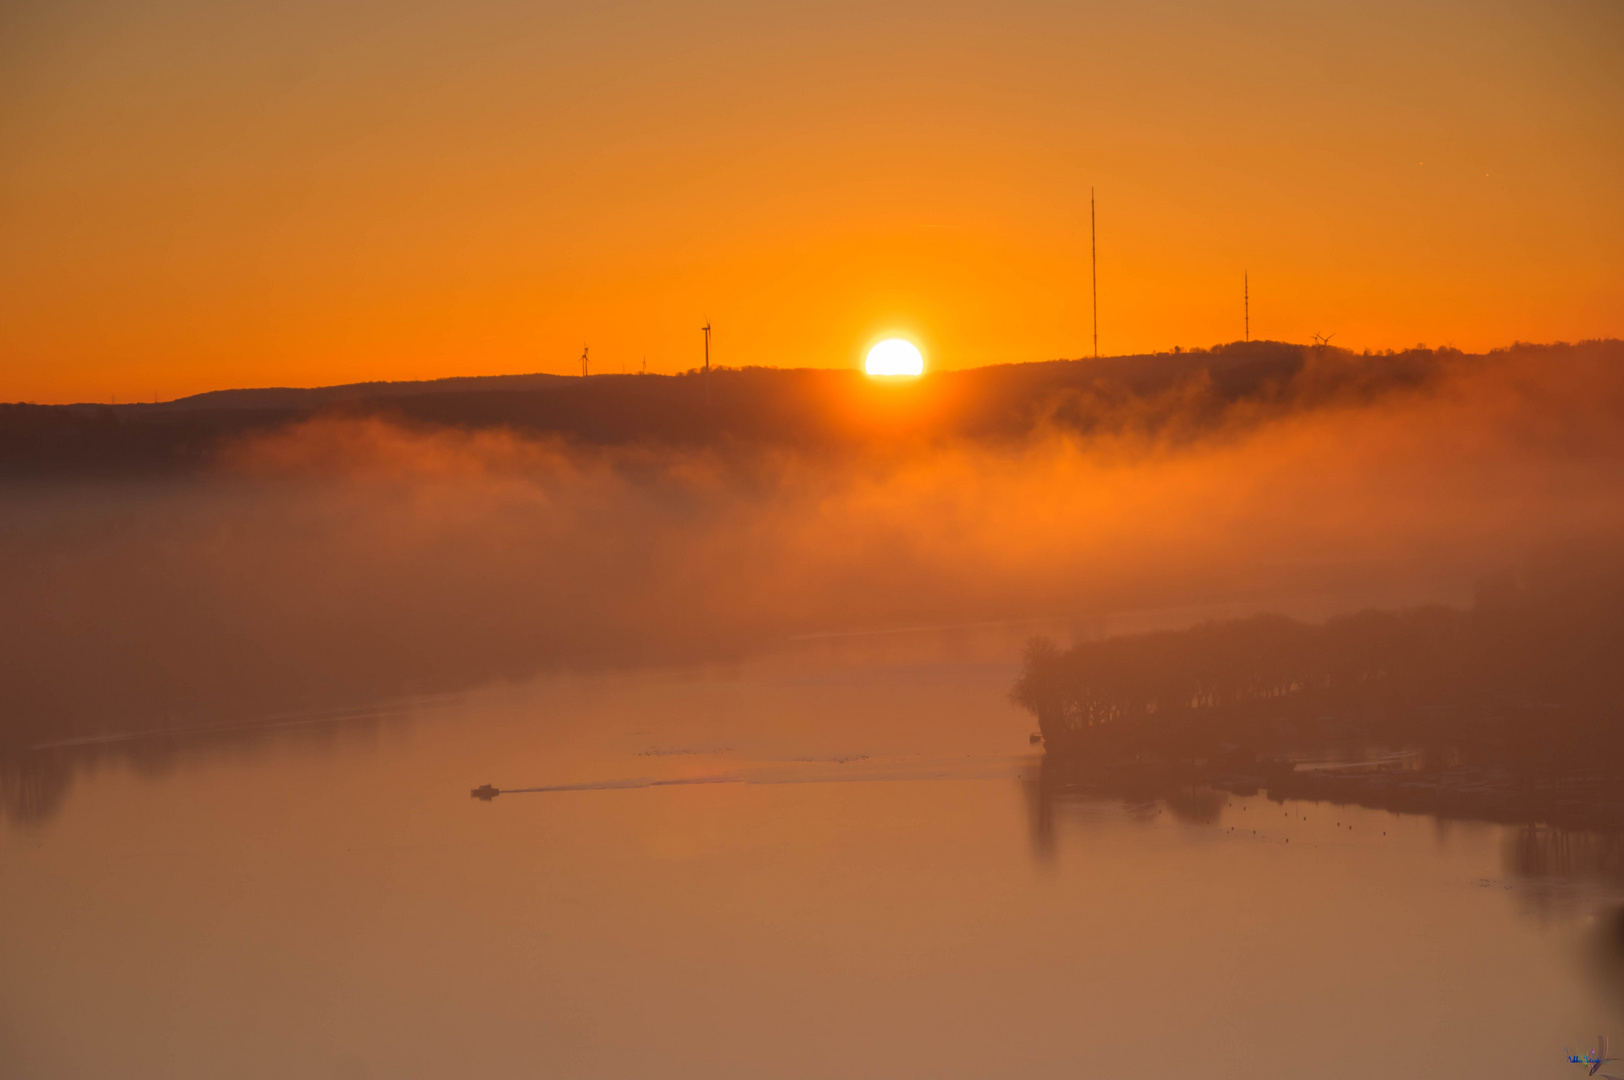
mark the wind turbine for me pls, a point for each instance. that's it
(707, 329)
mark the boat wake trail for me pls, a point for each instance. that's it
(865, 771)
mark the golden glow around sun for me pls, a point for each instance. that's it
(894, 356)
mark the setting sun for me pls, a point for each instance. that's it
(894, 356)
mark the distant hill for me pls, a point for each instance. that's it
(1169, 396)
(295, 398)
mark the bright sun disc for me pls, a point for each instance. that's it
(894, 356)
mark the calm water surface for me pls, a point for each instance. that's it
(868, 885)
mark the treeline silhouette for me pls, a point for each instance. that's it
(1529, 678)
(1167, 396)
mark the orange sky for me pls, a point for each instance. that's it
(197, 194)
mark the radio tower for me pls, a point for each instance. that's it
(1094, 271)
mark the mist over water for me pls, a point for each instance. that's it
(767, 807)
(348, 559)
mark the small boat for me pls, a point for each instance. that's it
(486, 792)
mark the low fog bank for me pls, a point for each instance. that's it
(333, 559)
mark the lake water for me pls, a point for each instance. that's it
(868, 884)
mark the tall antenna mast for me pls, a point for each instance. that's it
(583, 361)
(1093, 267)
(1246, 302)
(1094, 271)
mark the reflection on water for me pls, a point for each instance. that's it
(1536, 851)
(1577, 876)
(816, 865)
(33, 785)
(35, 782)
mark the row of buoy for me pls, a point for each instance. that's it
(1287, 813)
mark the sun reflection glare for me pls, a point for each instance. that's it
(894, 356)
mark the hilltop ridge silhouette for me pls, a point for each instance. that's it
(1176, 395)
